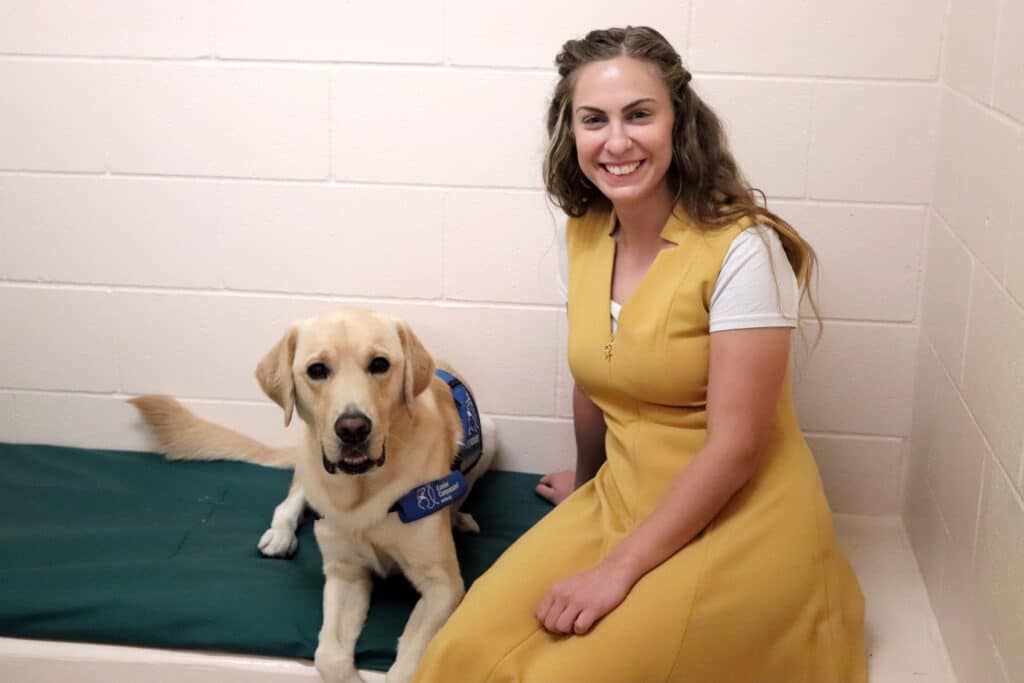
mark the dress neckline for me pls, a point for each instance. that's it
(676, 225)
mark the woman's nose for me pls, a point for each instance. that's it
(618, 141)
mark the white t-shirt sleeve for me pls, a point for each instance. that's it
(756, 286)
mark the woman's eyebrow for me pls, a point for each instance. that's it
(642, 100)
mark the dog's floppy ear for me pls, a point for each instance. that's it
(419, 366)
(274, 373)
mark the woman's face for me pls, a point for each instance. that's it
(622, 121)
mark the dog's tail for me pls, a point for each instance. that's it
(181, 435)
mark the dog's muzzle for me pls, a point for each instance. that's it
(347, 467)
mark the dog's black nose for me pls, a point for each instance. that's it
(353, 428)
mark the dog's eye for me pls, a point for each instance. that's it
(318, 371)
(379, 365)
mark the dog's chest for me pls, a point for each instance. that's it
(377, 548)
(377, 560)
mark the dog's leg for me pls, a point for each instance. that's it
(441, 589)
(347, 589)
(279, 540)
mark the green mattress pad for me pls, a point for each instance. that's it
(127, 548)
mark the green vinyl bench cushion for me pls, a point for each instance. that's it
(127, 548)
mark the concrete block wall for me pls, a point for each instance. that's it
(964, 508)
(180, 180)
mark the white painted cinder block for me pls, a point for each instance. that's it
(993, 382)
(76, 420)
(921, 513)
(927, 374)
(947, 289)
(869, 257)
(106, 28)
(858, 130)
(963, 616)
(55, 116)
(767, 123)
(507, 354)
(861, 474)
(196, 345)
(979, 176)
(500, 246)
(535, 445)
(439, 127)
(927, 534)
(955, 462)
(58, 339)
(333, 240)
(102, 230)
(1008, 87)
(1015, 249)
(970, 47)
(531, 32)
(325, 30)
(858, 380)
(999, 562)
(218, 120)
(10, 428)
(874, 38)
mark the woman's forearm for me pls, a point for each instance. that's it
(589, 426)
(699, 492)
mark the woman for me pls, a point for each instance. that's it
(697, 545)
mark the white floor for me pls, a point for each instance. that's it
(903, 638)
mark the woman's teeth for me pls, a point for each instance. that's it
(622, 170)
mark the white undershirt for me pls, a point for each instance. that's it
(745, 294)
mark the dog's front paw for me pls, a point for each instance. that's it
(464, 522)
(278, 543)
(335, 666)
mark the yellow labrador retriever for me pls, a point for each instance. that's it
(380, 426)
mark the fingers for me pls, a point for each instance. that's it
(566, 620)
(549, 489)
(560, 615)
(546, 492)
(550, 611)
(563, 617)
(584, 622)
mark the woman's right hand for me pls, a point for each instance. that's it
(557, 486)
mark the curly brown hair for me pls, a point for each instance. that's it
(703, 174)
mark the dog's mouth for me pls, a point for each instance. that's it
(353, 460)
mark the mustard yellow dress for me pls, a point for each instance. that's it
(763, 595)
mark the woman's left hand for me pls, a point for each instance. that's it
(576, 604)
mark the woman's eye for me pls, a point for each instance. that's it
(591, 120)
(379, 365)
(639, 115)
(318, 371)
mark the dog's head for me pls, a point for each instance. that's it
(347, 373)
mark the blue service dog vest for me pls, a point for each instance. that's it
(428, 498)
